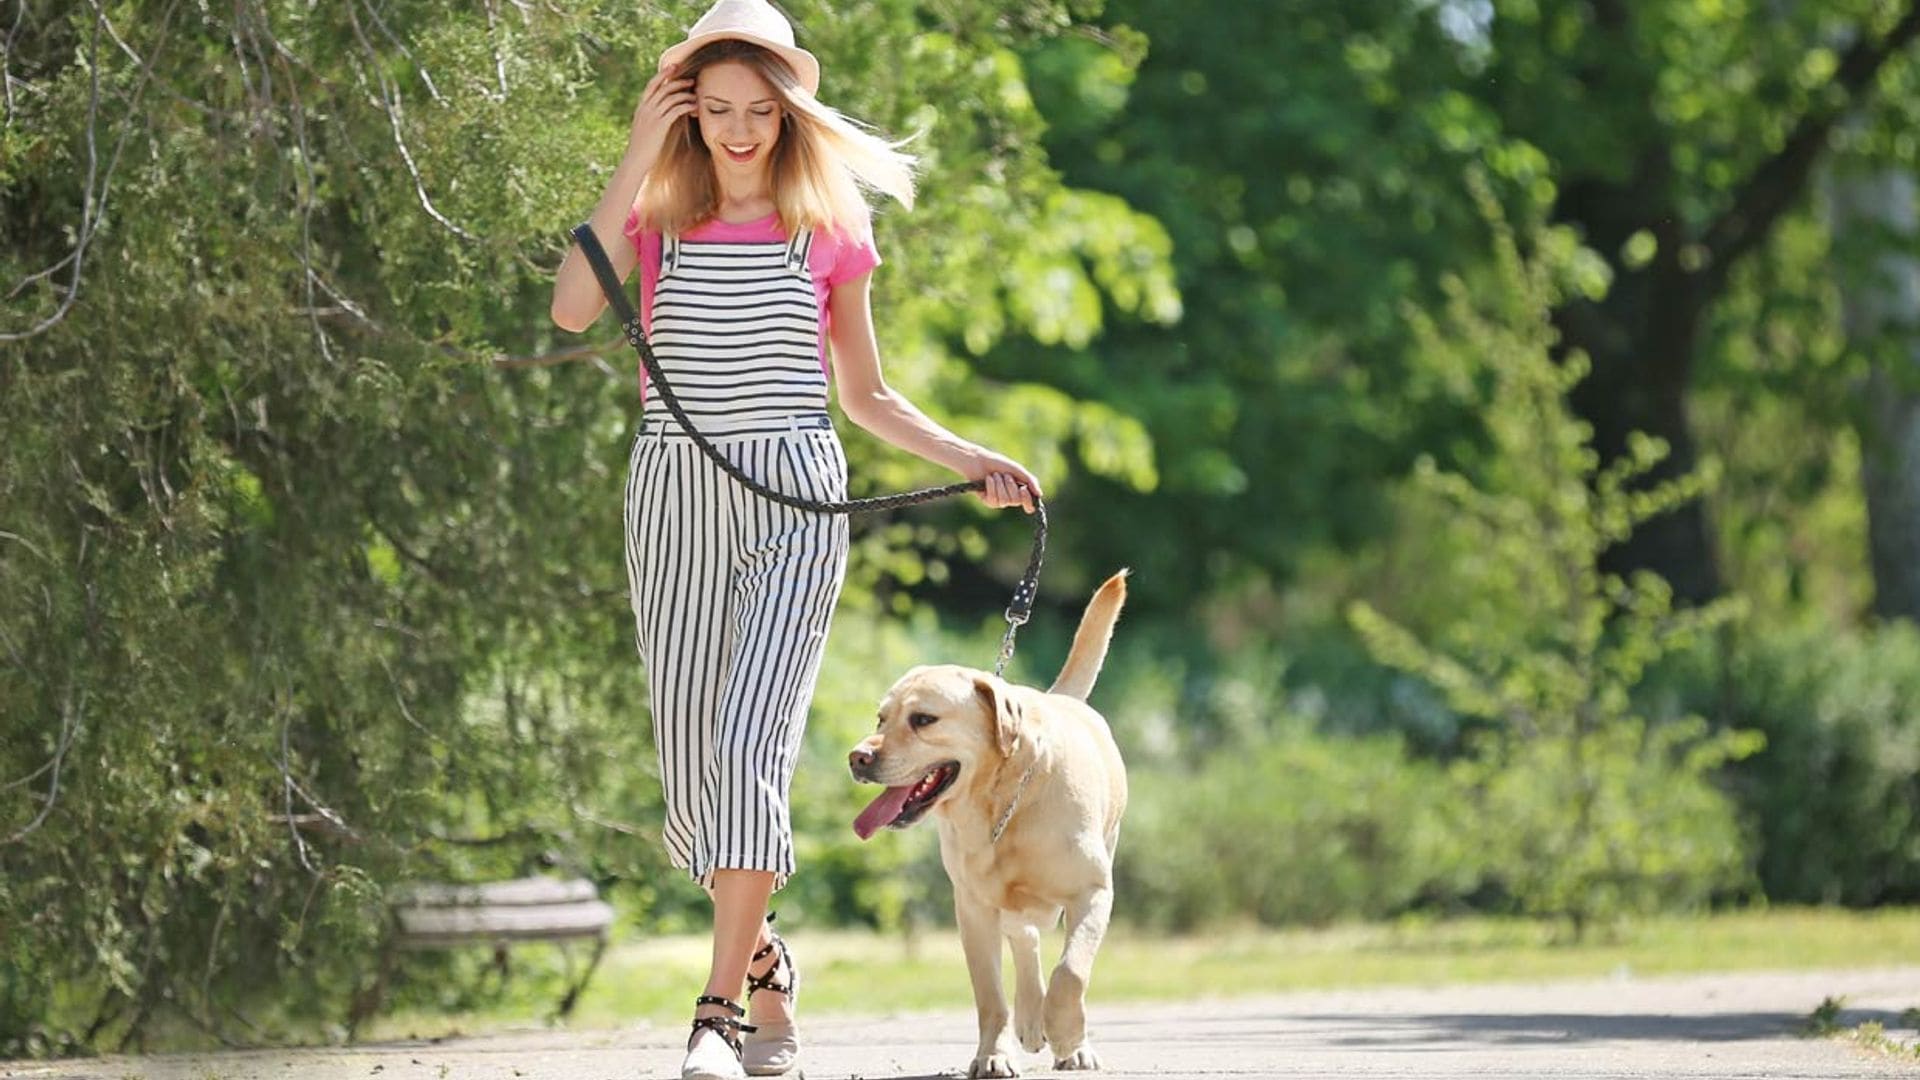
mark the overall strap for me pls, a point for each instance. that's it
(798, 248)
(669, 254)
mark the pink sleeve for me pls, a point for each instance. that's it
(849, 253)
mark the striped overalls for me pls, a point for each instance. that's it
(733, 593)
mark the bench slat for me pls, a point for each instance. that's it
(425, 927)
(524, 891)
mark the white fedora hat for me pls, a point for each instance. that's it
(749, 20)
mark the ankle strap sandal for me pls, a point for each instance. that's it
(757, 983)
(727, 1027)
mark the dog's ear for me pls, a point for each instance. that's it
(1007, 714)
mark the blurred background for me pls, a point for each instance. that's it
(1510, 412)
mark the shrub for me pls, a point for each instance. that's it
(1305, 829)
(1588, 809)
(1835, 796)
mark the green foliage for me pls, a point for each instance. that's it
(1300, 157)
(1302, 829)
(310, 573)
(309, 583)
(1825, 1018)
(1587, 810)
(1835, 796)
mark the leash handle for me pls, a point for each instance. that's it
(1018, 611)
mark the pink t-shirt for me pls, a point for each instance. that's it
(837, 256)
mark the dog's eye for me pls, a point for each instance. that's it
(920, 719)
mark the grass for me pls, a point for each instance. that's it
(654, 980)
(1824, 1023)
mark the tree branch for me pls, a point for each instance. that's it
(499, 60)
(6, 55)
(432, 90)
(591, 818)
(1778, 181)
(69, 725)
(591, 353)
(287, 785)
(389, 102)
(91, 211)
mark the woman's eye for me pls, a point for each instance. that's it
(920, 719)
(764, 113)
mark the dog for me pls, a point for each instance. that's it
(1028, 789)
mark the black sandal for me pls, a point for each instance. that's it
(727, 1027)
(757, 983)
(777, 1048)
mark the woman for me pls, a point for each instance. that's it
(740, 199)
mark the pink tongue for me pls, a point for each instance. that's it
(881, 811)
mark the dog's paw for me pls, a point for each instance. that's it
(1032, 1032)
(992, 1065)
(1082, 1058)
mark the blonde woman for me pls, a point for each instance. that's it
(740, 197)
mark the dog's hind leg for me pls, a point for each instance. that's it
(980, 938)
(1067, 994)
(1029, 993)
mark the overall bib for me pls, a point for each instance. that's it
(733, 593)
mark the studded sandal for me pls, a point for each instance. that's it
(775, 1047)
(705, 1061)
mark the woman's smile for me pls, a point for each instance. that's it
(739, 116)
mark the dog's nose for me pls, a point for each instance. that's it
(861, 762)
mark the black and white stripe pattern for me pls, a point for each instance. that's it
(733, 593)
(736, 328)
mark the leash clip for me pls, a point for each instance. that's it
(1021, 607)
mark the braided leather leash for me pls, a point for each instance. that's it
(1018, 611)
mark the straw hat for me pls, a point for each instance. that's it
(749, 20)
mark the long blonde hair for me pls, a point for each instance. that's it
(820, 162)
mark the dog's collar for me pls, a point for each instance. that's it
(1007, 814)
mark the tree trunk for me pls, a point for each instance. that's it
(1643, 335)
(1880, 311)
(1641, 338)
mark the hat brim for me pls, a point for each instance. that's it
(805, 66)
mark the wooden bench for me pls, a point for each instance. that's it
(443, 916)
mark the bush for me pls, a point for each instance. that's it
(1835, 796)
(1589, 809)
(1306, 829)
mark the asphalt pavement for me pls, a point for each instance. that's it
(1722, 1026)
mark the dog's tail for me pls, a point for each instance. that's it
(1090, 641)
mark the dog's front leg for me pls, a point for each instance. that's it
(980, 937)
(1067, 994)
(1029, 993)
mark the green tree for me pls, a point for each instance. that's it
(1307, 182)
(1589, 809)
(309, 539)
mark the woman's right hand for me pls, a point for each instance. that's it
(1006, 481)
(665, 100)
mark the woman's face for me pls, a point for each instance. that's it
(739, 116)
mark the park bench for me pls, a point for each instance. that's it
(444, 916)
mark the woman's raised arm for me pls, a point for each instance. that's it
(577, 299)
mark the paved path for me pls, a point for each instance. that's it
(1723, 1026)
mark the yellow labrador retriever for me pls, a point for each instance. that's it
(1028, 788)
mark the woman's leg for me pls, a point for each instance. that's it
(739, 917)
(740, 900)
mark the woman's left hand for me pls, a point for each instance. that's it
(1008, 482)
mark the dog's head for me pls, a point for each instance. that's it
(938, 725)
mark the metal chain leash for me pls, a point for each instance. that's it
(1018, 610)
